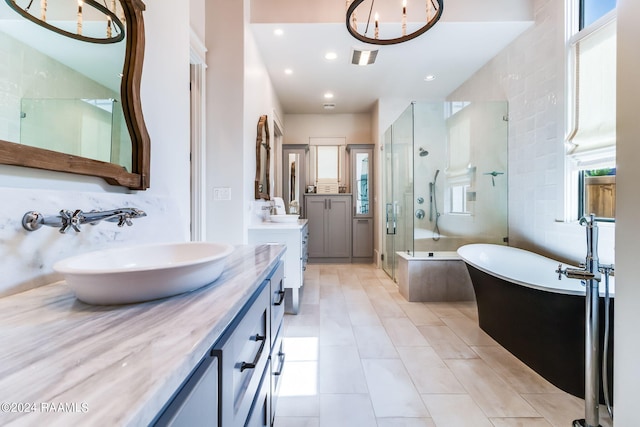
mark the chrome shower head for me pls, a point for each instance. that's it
(423, 152)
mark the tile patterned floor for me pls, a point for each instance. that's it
(358, 354)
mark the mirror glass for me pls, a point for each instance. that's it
(295, 174)
(63, 94)
(361, 187)
(262, 159)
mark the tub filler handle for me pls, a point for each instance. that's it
(577, 273)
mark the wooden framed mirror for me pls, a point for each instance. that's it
(263, 158)
(126, 160)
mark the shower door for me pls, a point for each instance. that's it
(398, 190)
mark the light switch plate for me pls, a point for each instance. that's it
(222, 193)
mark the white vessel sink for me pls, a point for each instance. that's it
(142, 273)
(284, 218)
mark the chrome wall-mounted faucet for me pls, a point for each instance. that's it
(67, 219)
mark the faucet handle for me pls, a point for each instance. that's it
(124, 219)
(560, 271)
(70, 220)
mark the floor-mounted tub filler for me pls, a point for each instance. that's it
(591, 275)
(543, 321)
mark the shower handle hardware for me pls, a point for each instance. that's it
(390, 213)
(420, 214)
(420, 200)
(493, 176)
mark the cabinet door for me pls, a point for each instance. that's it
(338, 226)
(315, 211)
(363, 238)
(197, 402)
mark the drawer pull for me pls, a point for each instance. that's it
(246, 365)
(281, 299)
(281, 357)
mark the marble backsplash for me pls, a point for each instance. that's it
(27, 258)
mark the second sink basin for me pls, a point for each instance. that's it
(142, 273)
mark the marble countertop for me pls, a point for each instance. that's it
(63, 362)
(276, 225)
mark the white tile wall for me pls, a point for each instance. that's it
(530, 74)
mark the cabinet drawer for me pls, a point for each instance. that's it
(277, 300)
(277, 366)
(243, 355)
(260, 414)
(304, 247)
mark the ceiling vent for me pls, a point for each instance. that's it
(363, 57)
(329, 106)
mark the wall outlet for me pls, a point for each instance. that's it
(222, 193)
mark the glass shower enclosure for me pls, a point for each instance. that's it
(445, 178)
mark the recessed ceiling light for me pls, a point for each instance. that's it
(278, 31)
(288, 71)
(330, 56)
(429, 77)
(328, 95)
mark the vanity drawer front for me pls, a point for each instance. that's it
(243, 355)
(277, 366)
(304, 246)
(277, 300)
(260, 414)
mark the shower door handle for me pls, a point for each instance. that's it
(390, 216)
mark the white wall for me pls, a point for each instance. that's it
(197, 18)
(355, 127)
(627, 309)
(26, 258)
(239, 91)
(529, 74)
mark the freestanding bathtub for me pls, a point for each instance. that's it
(538, 318)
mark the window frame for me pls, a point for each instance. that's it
(574, 175)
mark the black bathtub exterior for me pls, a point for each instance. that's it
(545, 330)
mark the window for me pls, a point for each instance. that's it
(459, 199)
(327, 167)
(592, 10)
(459, 157)
(591, 141)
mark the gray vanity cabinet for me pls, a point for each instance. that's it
(329, 217)
(234, 385)
(362, 240)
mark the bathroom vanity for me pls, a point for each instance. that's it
(295, 237)
(329, 218)
(213, 355)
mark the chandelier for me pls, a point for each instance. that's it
(403, 23)
(71, 22)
